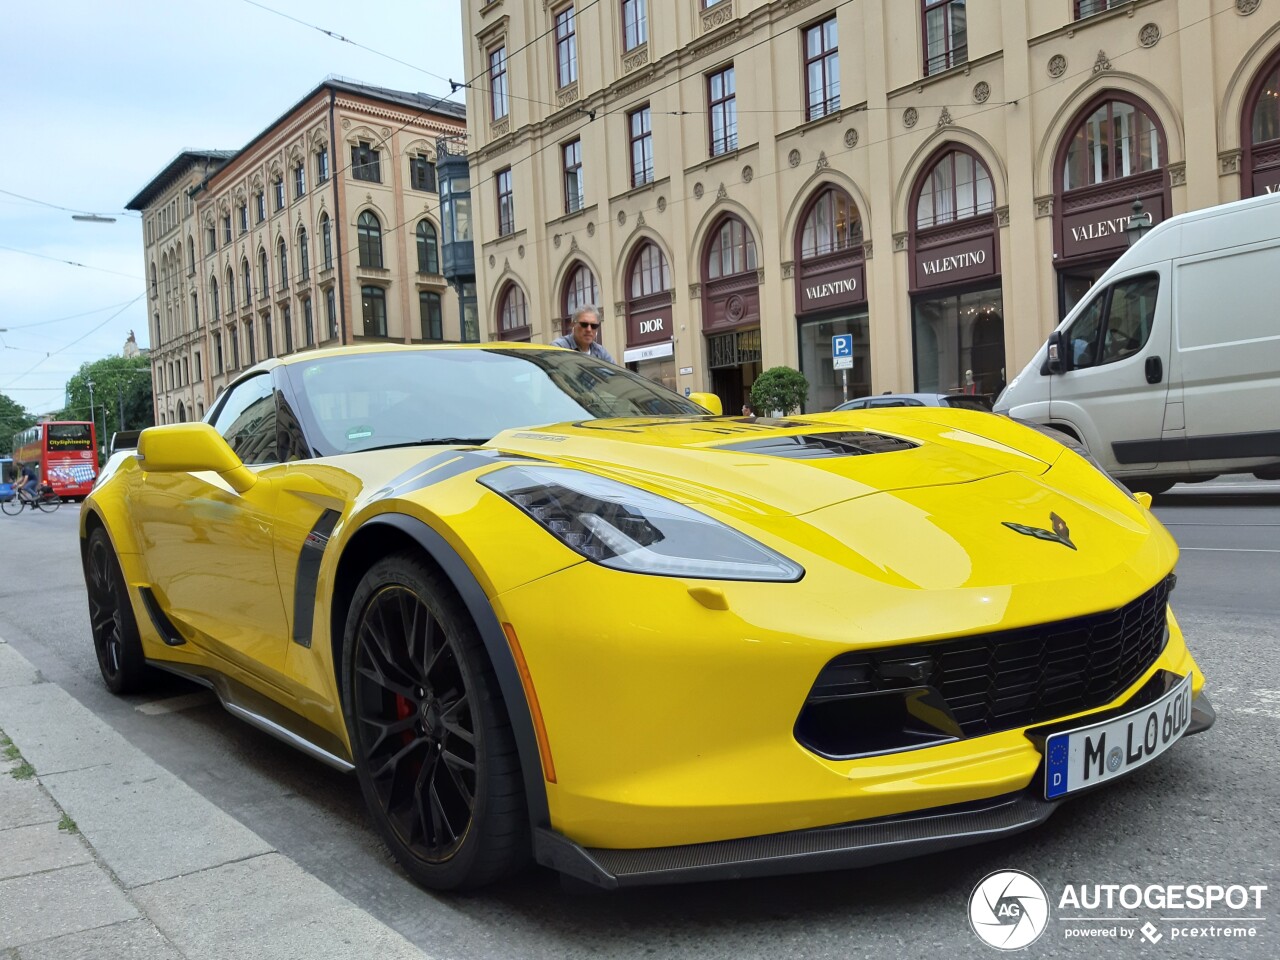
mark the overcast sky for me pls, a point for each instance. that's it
(101, 95)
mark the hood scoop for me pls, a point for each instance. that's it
(822, 446)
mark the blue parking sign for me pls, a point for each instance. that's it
(842, 345)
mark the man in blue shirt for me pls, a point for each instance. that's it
(583, 334)
(27, 480)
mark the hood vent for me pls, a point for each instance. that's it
(822, 446)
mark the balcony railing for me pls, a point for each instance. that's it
(950, 58)
(1087, 8)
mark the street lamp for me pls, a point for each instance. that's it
(1139, 223)
(92, 218)
(92, 420)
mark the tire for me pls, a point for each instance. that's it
(111, 619)
(48, 504)
(433, 747)
(12, 506)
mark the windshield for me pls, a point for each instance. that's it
(69, 436)
(363, 401)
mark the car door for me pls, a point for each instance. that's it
(210, 550)
(1114, 386)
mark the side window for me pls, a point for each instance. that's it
(1082, 335)
(1129, 316)
(247, 420)
(892, 402)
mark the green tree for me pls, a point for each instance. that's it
(779, 388)
(116, 381)
(13, 417)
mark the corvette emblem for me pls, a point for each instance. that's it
(1060, 533)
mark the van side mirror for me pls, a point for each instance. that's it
(1054, 363)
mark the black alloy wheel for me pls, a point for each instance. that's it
(433, 747)
(111, 619)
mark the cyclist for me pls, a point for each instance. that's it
(27, 485)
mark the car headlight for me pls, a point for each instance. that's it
(625, 528)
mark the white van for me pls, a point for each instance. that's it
(1169, 370)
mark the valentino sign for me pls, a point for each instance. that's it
(831, 285)
(1102, 229)
(955, 262)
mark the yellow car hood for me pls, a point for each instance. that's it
(769, 468)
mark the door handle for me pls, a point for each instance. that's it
(1155, 370)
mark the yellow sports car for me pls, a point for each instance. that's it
(543, 607)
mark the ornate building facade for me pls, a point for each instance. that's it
(737, 181)
(323, 230)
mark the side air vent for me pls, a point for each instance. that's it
(821, 446)
(164, 626)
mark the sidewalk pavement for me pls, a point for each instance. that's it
(105, 854)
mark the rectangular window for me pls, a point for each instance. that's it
(1087, 8)
(267, 335)
(722, 105)
(635, 23)
(821, 70)
(364, 162)
(299, 180)
(199, 372)
(217, 353)
(244, 218)
(322, 165)
(566, 48)
(573, 194)
(235, 349)
(432, 322)
(945, 37)
(373, 301)
(226, 228)
(260, 200)
(286, 321)
(331, 313)
(211, 239)
(506, 203)
(304, 256)
(252, 341)
(279, 185)
(499, 102)
(308, 322)
(641, 134)
(422, 174)
(326, 237)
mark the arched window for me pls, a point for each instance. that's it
(650, 273)
(304, 255)
(513, 314)
(326, 240)
(154, 286)
(580, 290)
(1117, 139)
(832, 225)
(213, 299)
(428, 249)
(370, 233)
(245, 278)
(231, 291)
(282, 254)
(1260, 135)
(191, 256)
(957, 187)
(733, 250)
(195, 310)
(265, 273)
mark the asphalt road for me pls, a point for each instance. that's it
(1203, 814)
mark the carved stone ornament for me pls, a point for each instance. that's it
(662, 204)
(823, 162)
(851, 138)
(722, 193)
(591, 228)
(866, 249)
(1102, 63)
(567, 95)
(622, 218)
(981, 92)
(695, 291)
(506, 264)
(909, 117)
(760, 275)
(555, 241)
(747, 174)
(1002, 216)
(346, 123)
(945, 120)
(637, 59)
(1149, 35)
(1044, 207)
(718, 15)
(697, 190)
(640, 219)
(788, 269)
(573, 244)
(734, 307)
(793, 158)
(619, 308)
(520, 251)
(1177, 174)
(899, 241)
(501, 128)
(1246, 7)
(1057, 65)
(493, 261)
(386, 132)
(1229, 162)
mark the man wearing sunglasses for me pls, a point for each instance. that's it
(583, 335)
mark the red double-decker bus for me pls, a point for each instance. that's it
(64, 454)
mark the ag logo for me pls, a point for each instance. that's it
(1008, 910)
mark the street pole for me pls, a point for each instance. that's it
(92, 418)
(120, 402)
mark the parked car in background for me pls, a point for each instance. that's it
(964, 401)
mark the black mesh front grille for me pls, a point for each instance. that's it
(823, 446)
(1016, 678)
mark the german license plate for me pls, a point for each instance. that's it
(1075, 759)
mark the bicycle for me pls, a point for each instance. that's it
(46, 501)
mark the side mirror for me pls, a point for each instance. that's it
(1055, 362)
(191, 448)
(710, 401)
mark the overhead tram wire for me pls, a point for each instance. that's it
(88, 333)
(72, 210)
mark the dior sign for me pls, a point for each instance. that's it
(955, 262)
(1102, 229)
(649, 326)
